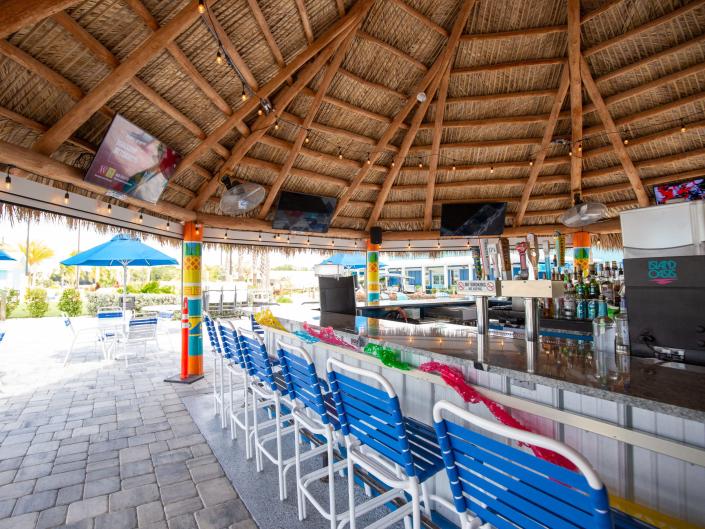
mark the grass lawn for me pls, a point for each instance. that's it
(21, 311)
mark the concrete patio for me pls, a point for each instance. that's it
(96, 445)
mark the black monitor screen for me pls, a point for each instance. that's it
(300, 212)
(471, 220)
(337, 294)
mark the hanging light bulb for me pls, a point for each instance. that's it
(110, 209)
(308, 241)
(201, 6)
(332, 242)
(340, 154)
(570, 153)
(393, 164)
(307, 138)
(219, 58)
(531, 163)
(454, 168)
(66, 198)
(168, 226)
(225, 235)
(368, 160)
(260, 112)
(467, 243)
(276, 125)
(198, 229)
(626, 141)
(288, 239)
(244, 95)
(141, 218)
(683, 128)
(259, 237)
(491, 170)
(580, 147)
(420, 165)
(408, 245)
(8, 181)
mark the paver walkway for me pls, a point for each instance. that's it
(99, 446)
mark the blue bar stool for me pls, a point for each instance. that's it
(218, 368)
(313, 410)
(238, 384)
(499, 486)
(256, 327)
(399, 451)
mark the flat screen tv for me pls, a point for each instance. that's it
(301, 212)
(681, 192)
(473, 220)
(130, 162)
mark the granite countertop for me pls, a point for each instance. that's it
(431, 302)
(562, 363)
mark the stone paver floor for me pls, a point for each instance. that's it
(96, 445)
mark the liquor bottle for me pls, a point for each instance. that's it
(580, 299)
(622, 323)
(568, 299)
(607, 288)
(604, 334)
(593, 287)
(607, 270)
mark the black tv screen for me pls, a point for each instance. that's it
(300, 212)
(472, 220)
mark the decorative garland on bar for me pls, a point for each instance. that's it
(266, 318)
(455, 379)
(327, 335)
(388, 356)
(306, 337)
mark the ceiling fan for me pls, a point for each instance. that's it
(583, 213)
(240, 197)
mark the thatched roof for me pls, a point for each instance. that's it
(618, 80)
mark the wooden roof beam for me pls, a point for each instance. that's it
(394, 51)
(505, 182)
(644, 27)
(545, 142)
(266, 32)
(490, 122)
(184, 62)
(553, 61)
(305, 22)
(421, 17)
(393, 127)
(80, 34)
(302, 134)
(499, 97)
(109, 86)
(307, 92)
(540, 31)
(481, 144)
(436, 147)
(17, 14)
(267, 89)
(652, 162)
(606, 6)
(371, 84)
(653, 181)
(441, 67)
(576, 96)
(611, 129)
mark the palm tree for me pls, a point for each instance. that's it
(35, 254)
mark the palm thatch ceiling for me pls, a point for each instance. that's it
(529, 102)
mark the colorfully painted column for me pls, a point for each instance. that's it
(581, 251)
(372, 273)
(192, 266)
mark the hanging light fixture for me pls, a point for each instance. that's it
(492, 170)
(219, 58)
(201, 6)
(259, 237)
(168, 226)
(276, 125)
(8, 180)
(626, 141)
(66, 198)
(198, 229)
(307, 138)
(340, 154)
(110, 209)
(243, 96)
(260, 111)
(454, 168)
(225, 235)
(683, 127)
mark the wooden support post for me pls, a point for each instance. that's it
(576, 96)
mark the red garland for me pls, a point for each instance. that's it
(327, 335)
(454, 378)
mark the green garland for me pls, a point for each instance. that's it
(388, 356)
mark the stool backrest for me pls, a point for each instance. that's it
(258, 363)
(508, 487)
(232, 349)
(256, 327)
(301, 380)
(212, 333)
(142, 328)
(105, 313)
(370, 414)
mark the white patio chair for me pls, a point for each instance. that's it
(88, 334)
(140, 332)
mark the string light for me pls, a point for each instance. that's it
(580, 147)
(198, 229)
(259, 237)
(244, 95)
(219, 58)
(570, 153)
(276, 125)
(393, 164)
(420, 165)
(260, 112)
(307, 138)
(369, 161)
(141, 218)
(626, 141)
(454, 168)
(225, 235)
(8, 180)
(683, 128)
(66, 198)
(340, 154)
(531, 163)
(491, 170)
(201, 6)
(168, 226)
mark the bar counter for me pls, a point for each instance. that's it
(642, 429)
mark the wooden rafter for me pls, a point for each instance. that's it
(613, 134)
(180, 57)
(263, 122)
(391, 130)
(421, 17)
(232, 52)
(545, 143)
(109, 86)
(546, 30)
(391, 49)
(267, 89)
(552, 61)
(266, 32)
(302, 134)
(305, 22)
(482, 144)
(436, 148)
(106, 56)
(16, 14)
(439, 69)
(576, 96)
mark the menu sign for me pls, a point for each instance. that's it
(132, 163)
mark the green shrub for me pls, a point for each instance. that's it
(37, 305)
(284, 299)
(153, 287)
(95, 300)
(70, 302)
(12, 300)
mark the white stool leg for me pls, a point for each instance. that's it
(300, 498)
(426, 500)
(231, 406)
(255, 426)
(331, 478)
(280, 463)
(351, 490)
(415, 504)
(70, 351)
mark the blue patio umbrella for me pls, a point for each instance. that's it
(4, 256)
(349, 260)
(121, 250)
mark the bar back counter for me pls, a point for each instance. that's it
(640, 422)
